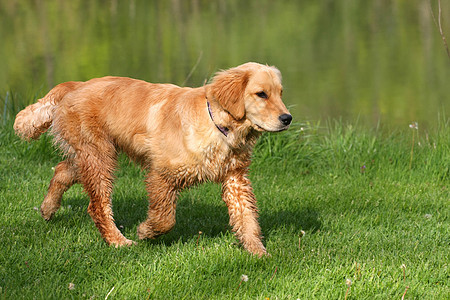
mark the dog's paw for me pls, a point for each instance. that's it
(130, 243)
(257, 249)
(123, 243)
(48, 211)
(144, 231)
(47, 214)
(260, 253)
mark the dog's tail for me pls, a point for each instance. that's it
(36, 118)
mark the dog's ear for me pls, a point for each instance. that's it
(228, 88)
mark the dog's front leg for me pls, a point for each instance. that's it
(162, 206)
(238, 195)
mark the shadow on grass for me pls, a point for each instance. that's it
(192, 216)
(306, 219)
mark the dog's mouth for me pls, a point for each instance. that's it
(260, 128)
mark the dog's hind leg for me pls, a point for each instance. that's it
(65, 176)
(96, 165)
(162, 207)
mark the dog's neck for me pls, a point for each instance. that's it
(223, 129)
(239, 134)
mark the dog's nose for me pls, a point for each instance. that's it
(285, 119)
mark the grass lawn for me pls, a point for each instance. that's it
(375, 221)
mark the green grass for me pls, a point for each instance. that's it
(367, 215)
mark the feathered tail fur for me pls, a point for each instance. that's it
(36, 118)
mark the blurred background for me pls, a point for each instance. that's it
(375, 61)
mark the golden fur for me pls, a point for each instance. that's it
(167, 129)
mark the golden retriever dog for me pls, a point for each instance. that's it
(180, 136)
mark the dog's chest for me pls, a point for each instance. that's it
(218, 158)
(211, 164)
(214, 161)
(217, 161)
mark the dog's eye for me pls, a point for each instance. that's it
(262, 95)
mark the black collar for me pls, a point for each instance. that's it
(222, 129)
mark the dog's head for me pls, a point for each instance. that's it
(252, 91)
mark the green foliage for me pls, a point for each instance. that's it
(352, 150)
(377, 59)
(385, 226)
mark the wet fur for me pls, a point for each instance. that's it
(169, 132)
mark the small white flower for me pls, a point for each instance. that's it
(244, 278)
(414, 125)
(71, 286)
(428, 216)
(302, 233)
(348, 282)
